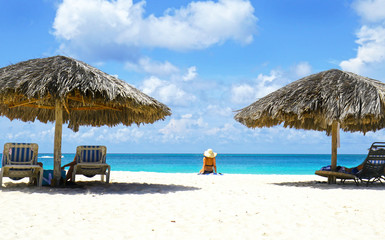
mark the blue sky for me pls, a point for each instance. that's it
(204, 59)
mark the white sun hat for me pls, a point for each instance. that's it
(209, 153)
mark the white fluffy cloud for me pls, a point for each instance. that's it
(218, 111)
(243, 93)
(191, 74)
(226, 132)
(82, 136)
(246, 93)
(370, 10)
(118, 135)
(178, 128)
(371, 50)
(370, 55)
(147, 65)
(113, 28)
(302, 69)
(166, 92)
(105, 134)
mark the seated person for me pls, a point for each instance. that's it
(70, 170)
(209, 164)
(341, 169)
(32, 181)
(354, 170)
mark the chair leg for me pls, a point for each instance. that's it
(356, 181)
(1, 178)
(74, 174)
(370, 181)
(40, 178)
(108, 174)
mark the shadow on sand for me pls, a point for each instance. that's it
(348, 185)
(99, 188)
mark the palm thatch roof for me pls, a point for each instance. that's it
(29, 90)
(314, 102)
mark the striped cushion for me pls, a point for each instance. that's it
(20, 155)
(92, 154)
(377, 161)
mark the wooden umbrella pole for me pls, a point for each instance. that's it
(57, 142)
(332, 179)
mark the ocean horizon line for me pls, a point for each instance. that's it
(157, 153)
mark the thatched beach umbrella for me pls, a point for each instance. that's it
(324, 101)
(64, 90)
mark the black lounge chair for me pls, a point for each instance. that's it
(372, 168)
(374, 164)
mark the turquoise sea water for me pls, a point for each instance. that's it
(226, 163)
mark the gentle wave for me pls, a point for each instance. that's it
(49, 156)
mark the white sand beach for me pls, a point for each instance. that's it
(189, 206)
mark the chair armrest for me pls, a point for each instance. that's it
(92, 164)
(23, 166)
(335, 174)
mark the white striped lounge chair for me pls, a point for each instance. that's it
(19, 161)
(91, 161)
